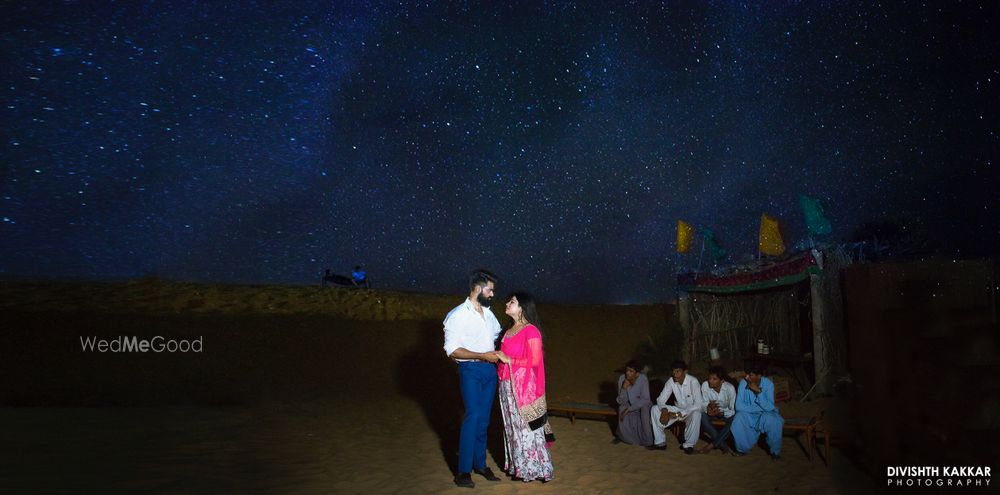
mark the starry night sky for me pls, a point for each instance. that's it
(556, 144)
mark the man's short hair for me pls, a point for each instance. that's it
(718, 371)
(479, 278)
(678, 364)
(755, 367)
(634, 364)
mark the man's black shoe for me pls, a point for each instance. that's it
(464, 480)
(689, 450)
(486, 473)
(657, 447)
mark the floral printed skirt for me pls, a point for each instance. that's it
(525, 455)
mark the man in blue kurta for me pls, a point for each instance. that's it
(756, 414)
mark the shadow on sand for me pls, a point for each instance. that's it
(426, 375)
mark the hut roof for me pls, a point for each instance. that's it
(752, 278)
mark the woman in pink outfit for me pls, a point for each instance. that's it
(527, 434)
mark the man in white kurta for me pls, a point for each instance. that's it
(687, 408)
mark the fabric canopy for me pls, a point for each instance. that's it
(787, 272)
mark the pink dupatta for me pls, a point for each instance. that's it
(526, 373)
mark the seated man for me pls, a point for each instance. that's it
(719, 399)
(687, 409)
(756, 413)
(359, 277)
(633, 407)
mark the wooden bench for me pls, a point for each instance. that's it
(571, 409)
(807, 425)
(810, 426)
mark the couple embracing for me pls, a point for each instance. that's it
(470, 334)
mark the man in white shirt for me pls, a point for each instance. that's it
(470, 334)
(688, 406)
(718, 403)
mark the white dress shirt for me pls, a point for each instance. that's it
(688, 404)
(688, 395)
(464, 327)
(725, 397)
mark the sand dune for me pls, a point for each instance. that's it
(309, 390)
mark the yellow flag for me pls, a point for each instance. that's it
(770, 236)
(685, 236)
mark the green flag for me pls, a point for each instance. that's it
(816, 222)
(713, 248)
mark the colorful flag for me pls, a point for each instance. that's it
(713, 248)
(816, 222)
(770, 236)
(685, 235)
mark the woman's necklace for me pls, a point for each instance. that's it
(514, 330)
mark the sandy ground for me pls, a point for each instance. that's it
(346, 446)
(308, 390)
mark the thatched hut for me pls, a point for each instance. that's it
(794, 306)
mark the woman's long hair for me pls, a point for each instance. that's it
(527, 303)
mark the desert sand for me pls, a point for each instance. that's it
(310, 390)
